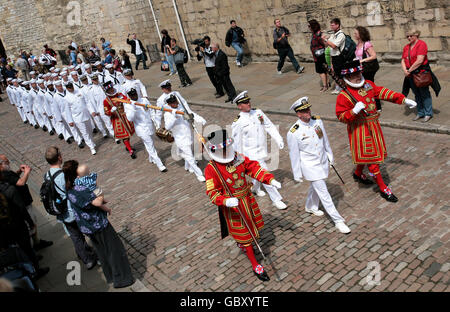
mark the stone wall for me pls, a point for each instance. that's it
(30, 24)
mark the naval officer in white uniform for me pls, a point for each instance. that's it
(311, 156)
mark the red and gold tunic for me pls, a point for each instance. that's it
(123, 128)
(234, 176)
(364, 132)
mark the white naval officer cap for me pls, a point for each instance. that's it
(57, 83)
(171, 98)
(83, 77)
(127, 72)
(86, 66)
(94, 75)
(108, 66)
(97, 63)
(300, 104)
(165, 83)
(241, 97)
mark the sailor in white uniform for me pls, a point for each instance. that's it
(249, 134)
(311, 157)
(131, 83)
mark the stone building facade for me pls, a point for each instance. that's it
(29, 24)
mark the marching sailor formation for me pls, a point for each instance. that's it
(77, 101)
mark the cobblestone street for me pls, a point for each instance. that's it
(172, 234)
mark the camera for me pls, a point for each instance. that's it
(199, 43)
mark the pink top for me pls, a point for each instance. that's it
(359, 51)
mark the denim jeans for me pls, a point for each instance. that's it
(171, 62)
(240, 51)
(423, 99)
(282, 53)
(139, 58)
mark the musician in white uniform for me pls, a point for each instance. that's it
(143, 124)
(249, 134)
(311, 156)
(182, 132)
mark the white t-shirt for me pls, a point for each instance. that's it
(138, 47)
(337, 39)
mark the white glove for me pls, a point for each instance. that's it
(359, 107)
(133, 102)
(199, 119)
(299, 180)
(174, 113)
(281, 145)
(410, 103)
(232, 202)
(276, 184)
(113, 109)
(330, 159)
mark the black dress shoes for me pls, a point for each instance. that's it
(228, 100)
(81, 145)
(36, 127)
(219, 95)
(133, 155)
(61, 136)
(363, 179)
(42, 244)
(44, 128)
(262, 276)
(389, 197)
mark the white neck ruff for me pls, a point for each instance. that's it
(355, 85)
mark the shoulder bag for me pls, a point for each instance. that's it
(370, 66)
(421, 77)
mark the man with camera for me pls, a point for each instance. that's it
(209, 58)
(137, 48)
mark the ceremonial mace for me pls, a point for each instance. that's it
(227, 189)
(341, 84)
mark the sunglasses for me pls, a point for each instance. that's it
(408, 36)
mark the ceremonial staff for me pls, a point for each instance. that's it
(227, 189)
(341, 84)
(148, 106)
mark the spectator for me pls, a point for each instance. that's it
(117, 65)
(31, 60)
(108, 57)
(235, 38)
(415, 61)
(15, 179)
(106, 45)
(49, 51)
(318, 52)
(95, 49)
(137, 48)
(73, 55)
(336, 42)
(47, 60)
(209, 58)
(80, 54)
(82, 249)
(165, 41)
(92, 57)
(223, 72)
(15, 230)
(126, 64)
(74, 45)
(9, 72)
(92, 219)
(366, 55)
(174, 49)
(281, 43)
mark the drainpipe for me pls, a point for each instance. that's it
(154, 18)
(181, 28)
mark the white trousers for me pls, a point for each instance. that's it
(318, 191)
(188, 156)
(143, 133)
(85, 129)
(99, 124)
(21, 113)
(61, 127)
(271, 190)
(108, 124)
(31, 118)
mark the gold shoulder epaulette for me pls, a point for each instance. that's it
(315, 117)
(294, 128)
(236, 119)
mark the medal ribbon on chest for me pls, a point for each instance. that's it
(318, 131)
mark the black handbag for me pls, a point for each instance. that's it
(370, 66)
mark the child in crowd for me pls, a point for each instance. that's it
(89, 180)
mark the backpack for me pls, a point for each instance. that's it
(50, 198)
(348, 52)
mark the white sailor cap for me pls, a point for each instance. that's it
(54, 75)
(57, 70)
(53, 68)
(241, 98)
(40, 75)
(165, 83)
(97, 63)
(57, 83)
(32, 81)
(108, 66)
(39, 81)
(47, 75)
(300, 104)
(25, 83)
(71, 67)
(68, 82)
(74, 73)
(32, 72)
(14, 80)
(86, 66)
(19, 80)
(127, 72)
(78, 67)
(50, 82)
(9, 79)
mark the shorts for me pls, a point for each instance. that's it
(320, 64)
